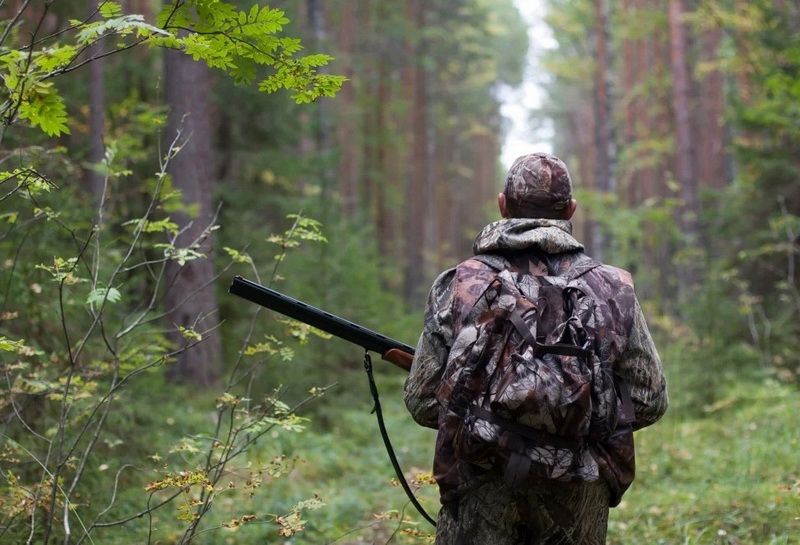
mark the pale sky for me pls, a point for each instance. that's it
(521, 138)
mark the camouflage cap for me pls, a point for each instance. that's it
(539, 181)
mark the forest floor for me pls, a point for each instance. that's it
(727, 475)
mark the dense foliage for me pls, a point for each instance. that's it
(354, 204)
(84, 288)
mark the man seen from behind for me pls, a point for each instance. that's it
(479, 506)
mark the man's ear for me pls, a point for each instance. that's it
(501, 204)
(573, 204)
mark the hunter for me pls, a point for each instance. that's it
(479, 507)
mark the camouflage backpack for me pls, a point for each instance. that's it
(525, 391)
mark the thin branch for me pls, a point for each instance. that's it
(12, 269)
(71, 68)
(58, 442)
(138, 232)
(79, 470)
(13, 22)
(140, 514)
(284, 246)
(19, 416)
(14, 108)
(29, 173)
(111, 502)
(47, 472)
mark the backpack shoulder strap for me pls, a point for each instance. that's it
(499, 264)
(579, 267)
(495, 261)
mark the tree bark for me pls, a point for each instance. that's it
(348, 115)
(95, 181)
(582, 121)
(711, 131)
(660, 127)
(630, 47)
(605, 162)
(685, 147)
(318, 119)
(380, 181)
(416, 82)
(190, 298)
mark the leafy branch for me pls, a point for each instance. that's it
(212, 31)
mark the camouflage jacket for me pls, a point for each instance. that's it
(549, 248)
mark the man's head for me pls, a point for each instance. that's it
(537, 186)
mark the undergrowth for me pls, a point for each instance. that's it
(724, 475)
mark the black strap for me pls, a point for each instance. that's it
(538, 348)
(523, 329)
(563, 350)
(517, 469)
(527, 432)
(373, 388)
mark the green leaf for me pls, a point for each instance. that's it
(8, 345)
(45, 108)
(119, 25)
(189, 333)
(158, 226)
(55, 57)
(182, 255)
(253, 16)
(10, 217)
(99, 295)
(237, 256)
(110, 9)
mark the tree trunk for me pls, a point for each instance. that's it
(660, 127)
(379, 177)
(190, 298)
(95, 181)
(684, 135)
(605, 162)
(585, 153)
(711, 131)
(319, 118)
(348, 115)
(417, 183)
(630, 104)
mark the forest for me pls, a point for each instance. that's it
(345, 152)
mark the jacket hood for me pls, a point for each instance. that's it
(514, 234)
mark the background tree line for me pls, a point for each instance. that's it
(151, 151)
(677, 117)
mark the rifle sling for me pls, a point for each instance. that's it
(377, 409)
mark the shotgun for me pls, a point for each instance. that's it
(390, 350)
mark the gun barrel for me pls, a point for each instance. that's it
(303, 312)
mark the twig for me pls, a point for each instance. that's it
(13, 21)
